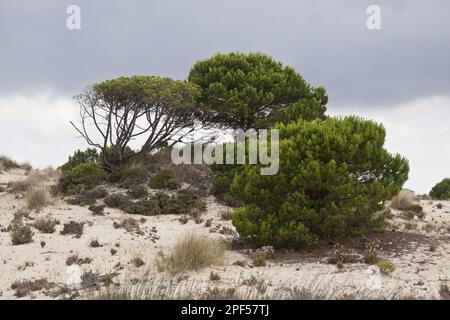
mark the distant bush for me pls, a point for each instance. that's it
(441, 191)
(192, 252)
(7, 163)
(97, 210)
(149, 207)
(333, 177)
(21, 234)
(37, 198)
(80, 157)
(162, 179)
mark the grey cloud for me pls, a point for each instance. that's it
(326, 41)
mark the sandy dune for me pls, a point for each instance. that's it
(421, 256)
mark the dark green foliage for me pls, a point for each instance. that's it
(441, 191)
(252, 90)
(163, 179)
(80, 157)
(333, 176)
(81, 172)
(117, 200)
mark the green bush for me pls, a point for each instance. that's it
(149, 207)
(333, 176)
(138, 191)
(162, 179)
(134, 172)
(441, 191)
(88, 174)
(80, 157)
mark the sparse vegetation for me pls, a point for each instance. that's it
(261, 255)
(138, 192)
(191, 252)
(74, 228)
(25, 287)
(340, 255)
(74, 259)
(137, 262)
(117, 200)
(97, 210)
(95, 244)
(371, 254)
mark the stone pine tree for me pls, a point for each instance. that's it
(254, 91)
(334, 176)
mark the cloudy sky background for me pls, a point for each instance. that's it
(399, 75)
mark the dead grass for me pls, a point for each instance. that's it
(404, 200)
(192, 252)
(37, 198)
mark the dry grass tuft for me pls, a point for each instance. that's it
(404, 200)
(45, 225)
(37, 198)
(21, 234)
(192, 252)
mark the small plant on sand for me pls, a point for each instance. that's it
(37, 198)
(137, 262)
(77, 260)
(97, 210)
(21, 234)
(95, 244)
(45, 225)
(163, 179)
(340, 255)
(371, 253)
(386, 267)
(74, 228)
(191, 252)
(214, 276)
(439, 206)
(129, 224)
(260, 255)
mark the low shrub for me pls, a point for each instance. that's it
(340, 255)
(45, 225)
(191, 252)
(76, 260)
(95, 244)
(74, 228)
(7, 163)
(21, 234)
(80, 157)
(97, 210)
(134, 171)
(148, 207)
(89, 174)
(371, 255)
(163, 179)
(137, 262)
(25, 287)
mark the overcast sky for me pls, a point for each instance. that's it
(399, 75)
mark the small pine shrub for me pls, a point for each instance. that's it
(21, 234)
(80, 157)
(163, 179)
